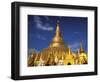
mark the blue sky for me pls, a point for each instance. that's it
(41, 30)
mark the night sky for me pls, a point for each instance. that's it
(41, 30)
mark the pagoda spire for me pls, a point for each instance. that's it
(58, 33)
(69, 51)
(57, 39)
(81, 48)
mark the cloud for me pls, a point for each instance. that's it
(41, 37)
(74, 46)
(41, 26)
(44, 27)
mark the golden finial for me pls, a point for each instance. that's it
(58, 29)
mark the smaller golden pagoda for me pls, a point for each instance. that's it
(70, 58)
(57, 53)
(82, 56)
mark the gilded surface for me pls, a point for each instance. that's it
(58, 54)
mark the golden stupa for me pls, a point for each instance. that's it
(57, 53)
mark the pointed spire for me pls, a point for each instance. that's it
(58, 29)
(56, 59)
(81, 48)
(78, 51)
(36, 56)
(40, 56)
(69, 51)
(62, 57)
(57, 39)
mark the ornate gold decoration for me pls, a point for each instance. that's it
(57, 53)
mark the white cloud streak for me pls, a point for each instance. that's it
(41, 26)
(74, 46)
